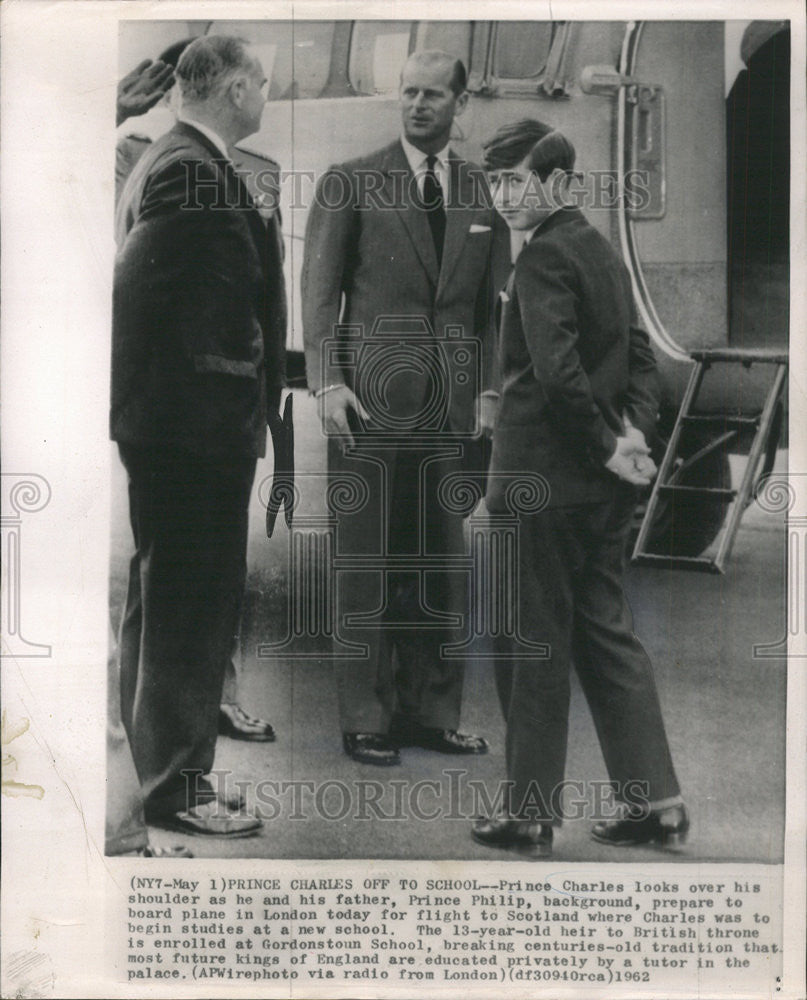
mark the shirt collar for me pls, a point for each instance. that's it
(417, 158)
(208, 132)
(529, 233)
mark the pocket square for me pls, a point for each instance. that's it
(479, 229)
(504, 296)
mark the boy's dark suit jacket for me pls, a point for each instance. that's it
(199, 307)
(572, 362)
(573, 365)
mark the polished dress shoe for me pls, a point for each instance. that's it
(371, 748)
(209, 819)
(412, 734)
(529, 838)
(232, 799)
(667, 827)
(450, 741)
(227, 793)
(235, 723)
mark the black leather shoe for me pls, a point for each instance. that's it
(235, 723)
(532, 839)
(231, 798)
(371, 748)
(667, 827)
(411, 734)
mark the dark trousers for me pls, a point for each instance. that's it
(571, 562)
(401, 615)
(183, 606)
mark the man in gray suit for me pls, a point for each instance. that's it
(397, 296)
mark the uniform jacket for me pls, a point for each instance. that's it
(572, 363)
(370, 257)
(199, 307)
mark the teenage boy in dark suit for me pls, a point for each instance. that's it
(579, 400)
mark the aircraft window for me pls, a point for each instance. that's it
(450, 36)
(378, 50)
(522, 48)
(296, 57)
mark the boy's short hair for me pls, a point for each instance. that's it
(546, 148)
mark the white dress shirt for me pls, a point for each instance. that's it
(262, 202)
(417, 164)
(214, 137)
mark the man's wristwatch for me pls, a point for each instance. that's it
(321, 392)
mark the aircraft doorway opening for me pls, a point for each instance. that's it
(758, 189)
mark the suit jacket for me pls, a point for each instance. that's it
(370, 265)
(572, 361)
(199, 306)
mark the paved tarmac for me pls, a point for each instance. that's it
(724, 711)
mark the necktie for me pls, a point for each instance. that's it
(435, 207)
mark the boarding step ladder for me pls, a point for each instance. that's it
(766, 427)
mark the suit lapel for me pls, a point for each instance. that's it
(242, 197)
(411, 215)
(459, 215)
